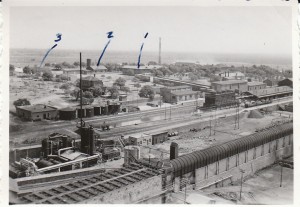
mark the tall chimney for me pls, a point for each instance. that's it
(88, 63)
(159, 57)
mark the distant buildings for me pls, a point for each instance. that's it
(85, 71)
(140, 139)
(177, 94)
(230, 85)
(143, 69)
(232, 76)
(37, 112)
(220, 99)
(256, 85)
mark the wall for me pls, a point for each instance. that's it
(131, 193)
(227, 170)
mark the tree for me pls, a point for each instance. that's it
(75, 93)
(147, 92)
(65, 86)
(21, 102)
(125, 89)
(192, 77)
(86, 101)
(11, 68)
(27, 70)
(114, 92)
(137, 85)
(87, 94)
(97, 91)
(47, 75)
(120, 82)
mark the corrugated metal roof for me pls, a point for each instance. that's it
(189, 162)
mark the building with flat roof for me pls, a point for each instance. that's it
(256, 86)
(230, 85)
(140, 139)
(271, 93)
(37, 112)
(177, 94)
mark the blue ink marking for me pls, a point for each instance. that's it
(109, 35)
(58, 35)
(102, 53)
(139, 60)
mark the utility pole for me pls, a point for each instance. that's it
(242, 174)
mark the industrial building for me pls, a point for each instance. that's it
(140, 139)
(37, 112)
(91, 82)
(68, 113)
(256, 86)
(220, 99)
(270, 82)
(270, 93)
(177, 94)
(89, 70)
(230, 85)
(286, 82)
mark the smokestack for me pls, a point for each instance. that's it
(173, 151)
(159, 56)
(88, 63)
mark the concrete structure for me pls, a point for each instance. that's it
(140, 139)
(230, 85)
(37, 112)
(232, 75)
(97, 69)
(177, 94)
(90, 81)
(131, 154)
(256, 86)
(286, 82)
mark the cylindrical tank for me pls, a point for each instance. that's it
(97, 110)
(79, 112)
(173, 151)
(131, 153)
(89, 112)
(67, 113)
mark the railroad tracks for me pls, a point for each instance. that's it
(80, 190)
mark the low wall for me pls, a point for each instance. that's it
(129, 194)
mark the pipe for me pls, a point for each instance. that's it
(67, 163)
(63, 149)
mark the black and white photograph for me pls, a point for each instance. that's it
(149, 103)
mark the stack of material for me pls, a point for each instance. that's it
(255, 114)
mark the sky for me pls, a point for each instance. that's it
(255, 30)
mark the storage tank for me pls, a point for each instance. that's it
(79, 112)
(173, 151)
(97, 110)
(89, 111)
(130, 153)
(67, 113)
